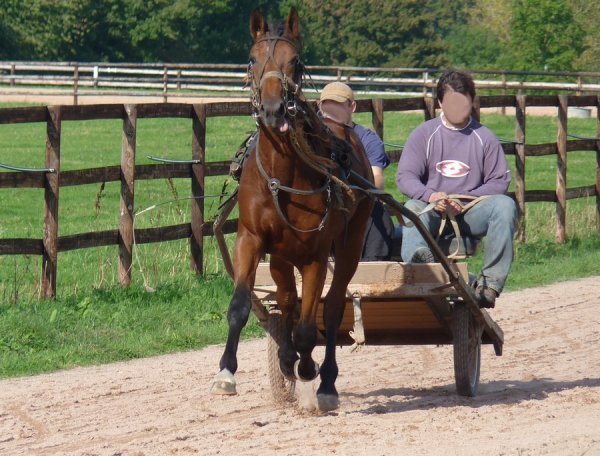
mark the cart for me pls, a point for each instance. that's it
(389, 303)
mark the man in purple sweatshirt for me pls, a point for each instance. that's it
(454, 154)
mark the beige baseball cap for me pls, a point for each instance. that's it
(337, 91)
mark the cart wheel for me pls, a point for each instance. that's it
(467, 351)
(281, 388)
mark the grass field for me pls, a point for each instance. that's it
(167, 308)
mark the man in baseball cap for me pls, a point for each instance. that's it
(337, 103)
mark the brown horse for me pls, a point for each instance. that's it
(295, 206)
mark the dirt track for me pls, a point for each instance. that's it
(541, 397)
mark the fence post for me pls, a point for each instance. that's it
(377, 116)
(476, 111)
(198, 153)
(561, 170)
(75, 83)
(598, 164)
(503, 110)
(127, 194)
(520, 112)
(51, 188)
(165, 83)
(429, 108)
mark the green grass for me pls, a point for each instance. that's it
(104, 325)
(93, 320)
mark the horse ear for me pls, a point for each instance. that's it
(292, 24)
(258, 25)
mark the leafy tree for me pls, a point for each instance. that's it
(474, 47)
(544, 36)
(379, 32)
(194, 30)
(68, 30)
(483, 39)
(587, 15)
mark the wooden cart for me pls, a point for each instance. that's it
(393, 303)
(389, 303)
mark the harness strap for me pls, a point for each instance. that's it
(275, 185)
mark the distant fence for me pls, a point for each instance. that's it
(51, 178)
(171, 81)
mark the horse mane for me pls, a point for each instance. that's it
(316, 140)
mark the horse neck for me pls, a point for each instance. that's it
(282, 159)
(278, 155)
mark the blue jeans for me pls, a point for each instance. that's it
(494, 217)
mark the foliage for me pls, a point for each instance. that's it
(587, 15)
(121, 30)
(503, 34)
(544, 36)
(378, 32)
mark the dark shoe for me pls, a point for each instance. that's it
(423, 255)
(486, 297)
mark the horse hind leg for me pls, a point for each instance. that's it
(347, 256)
(287, 301)
(305, 333)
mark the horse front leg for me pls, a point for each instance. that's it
(247, 256)
(305, 332)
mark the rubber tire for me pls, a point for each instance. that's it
(467, 351)
(282, 389)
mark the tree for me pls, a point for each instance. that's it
(544, 36)
(194, 30)
(587, 15)
(378, 32)
(484, 38)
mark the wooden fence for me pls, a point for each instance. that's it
(51, 179)
(172, 81)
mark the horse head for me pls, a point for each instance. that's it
(274, 70)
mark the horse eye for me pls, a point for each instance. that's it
(251, 62)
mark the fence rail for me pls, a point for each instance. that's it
(127, 172)
(171, 81)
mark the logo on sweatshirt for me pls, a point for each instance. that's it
(452, 168)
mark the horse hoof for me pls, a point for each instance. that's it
(224, 384)
(327, 402)
(302, 379)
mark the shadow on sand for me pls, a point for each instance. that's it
(395, 400)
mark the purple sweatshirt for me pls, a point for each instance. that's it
(436, 158)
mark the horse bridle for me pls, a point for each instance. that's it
(290, 86)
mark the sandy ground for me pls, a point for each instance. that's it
(541, 397)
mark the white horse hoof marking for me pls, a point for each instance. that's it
(297, 363)
(224, 383)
